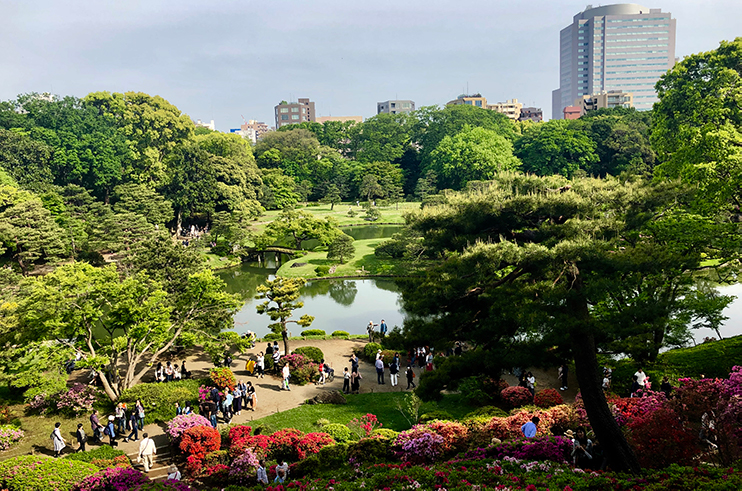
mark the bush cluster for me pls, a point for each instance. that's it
(222, 378)
(311, 352)
(516, 396)
(159, 399)
(313, 332)
(40, 472)
(340, 334)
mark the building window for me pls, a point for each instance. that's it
(294, 109)
(294, 116)
(394, 104)
(284, 109)
(284, 117)
(478, 103)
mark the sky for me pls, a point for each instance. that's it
(224, 60)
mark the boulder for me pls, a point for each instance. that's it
(298, 265)
(328, 397)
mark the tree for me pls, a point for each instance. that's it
(426, 186)
(697, 124)
(531, 265)
(332, 195)
(152, 127)
(27, 231)
(370, 187)
(384, 137)
(471, 155)
(341, 248)
(295, 152)
(278, 190)
(282, 293)
(300, 226)
(141, 200)
(192, 188)
(385, 174)
(303, 190)
(26, 160)
(555, 147)
(119, 323)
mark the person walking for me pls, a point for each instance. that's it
(380, 371)
(355, 382)
(563, 376)
(237, 399)
(346, 381)
(410, 373)
(95, 426)
(531, 383)
(276, 357)
(321, 380)
(134, 428)
(394, 370)
(81, 437)
(262, 474)
(383, 328)
(354, 363)
(110, 431)
(120, 418)
(260, 365)
(286, 376)
(57, 441)
(139, 410)
(252, 398)
(147, 452)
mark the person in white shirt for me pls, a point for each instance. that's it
(286, 376)
(147, 451)
(262, 474)
(641, 377)
(173, 473)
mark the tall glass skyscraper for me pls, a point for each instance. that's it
(615, 47)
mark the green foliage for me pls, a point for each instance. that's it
(277, 192)
(370, 350)
(280, 297)
(370, 450)
(322, 270)
(159, 399)
(104, 452)
(487, 411)
(385, 433)
(341, 248)
(311, 352)
(339, 432)
(143, 201)
(340, 334)
(372, 214)
(40, 472)
(555, 147)
(299, 226)
(435, 415)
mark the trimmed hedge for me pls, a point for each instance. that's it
(435, 415)
(370, 350)
(340, 334)
(313, 353)
(339, 432)
(159, 398)
(41, 472)
(104, 452)
(272, 336)
(313, 332)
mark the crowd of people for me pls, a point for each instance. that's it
(171, 372)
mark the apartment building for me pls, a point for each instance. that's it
(294, 112)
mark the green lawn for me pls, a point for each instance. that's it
(363, 263)
(383, 405)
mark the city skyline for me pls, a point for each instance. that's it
(221, 61)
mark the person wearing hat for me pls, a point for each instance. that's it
(173, 473)
(147, 451)
(569, 434)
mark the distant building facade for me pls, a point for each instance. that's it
(396, 106)
(571, 112)
(342, 119)
(251, 130)
(475, 100)
(531, 114)
(610, 99)
(510, 108)
(614, 47)
(294, 112)
(200, 124)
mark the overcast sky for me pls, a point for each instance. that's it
(223, 59)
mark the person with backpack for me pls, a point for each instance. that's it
(410, 373)
(57, 440)
(110, 431)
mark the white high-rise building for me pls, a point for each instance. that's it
(615, 47)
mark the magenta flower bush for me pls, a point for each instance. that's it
(179, 424)
(244, 468)
(419, 449)
(39, 403)
(553, 448)
(114, 479)
(9, 435)
(78, 399)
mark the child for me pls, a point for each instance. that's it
(346, 381)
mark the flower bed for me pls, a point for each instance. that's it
(77, 400)
(179, 424)
(9, 435)
(40, 472)
(516, 396)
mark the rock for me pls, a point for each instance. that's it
(330, 397)
(298, 265)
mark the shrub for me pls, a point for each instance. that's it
(312, 353)
(284, 444)
(259, 444)
(311, 443)
(29, 472)
(452, 437)
(322, 422)
(554, 448)
(370, 350)
(77, 400)
(490, 411)
(179, 424)
(369, 450)
(223, 377)
(102, 457)
(340, 334)
(5, 415)
(159, 399)
(420, 449)
(516, 396)
(274, 336)
(244, 468)
(547, 398)
(115, 478)
(661, 439)
(339, 432)
(435, 415)
(301, 368)
(365, 425)
(200, 440)
(385, 433)
(9, 435)
(322, 270)
(313, 332)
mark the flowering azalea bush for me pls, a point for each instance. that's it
(179, 424)
(39, 403)
(695, 397)
(302, 369)
(312, 443)
(243, 468)
(364, 426)
(660, 438)
(78, 399)
(453, 435)
(223, 378)
(563, 416)
(200, 440)
(260, 444)
(547, 398)
(204, 393)
(9, 435)
(553, 448)
(627, 409)
(516, 396)
(114, 478)
(420, 449)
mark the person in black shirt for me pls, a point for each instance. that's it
(665, 386)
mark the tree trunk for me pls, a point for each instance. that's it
(285, 335)
(332, 205)
(107, 387)
(617, 450)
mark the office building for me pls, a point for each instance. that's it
(475, 100)
(395, 107)
(531, 114)
(610, 99)
(210, 125)
(615, 47)
(511, 108)
(294, 112)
